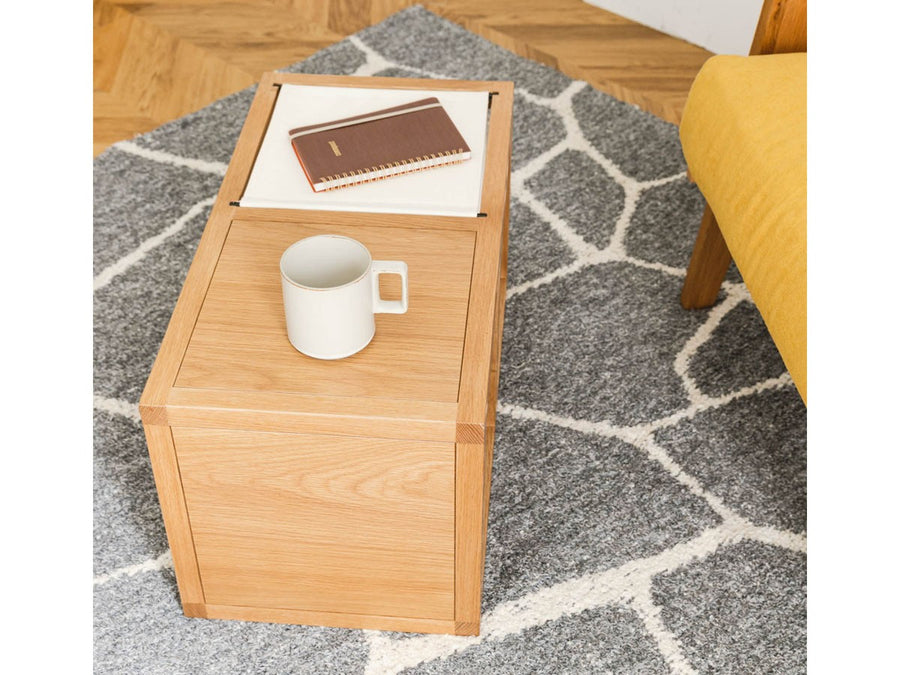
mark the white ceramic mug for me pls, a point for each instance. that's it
(330, 288)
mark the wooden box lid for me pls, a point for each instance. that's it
(240, 339)
(240, 371)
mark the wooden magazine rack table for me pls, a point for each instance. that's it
(346, 493)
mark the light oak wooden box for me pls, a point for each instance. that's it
(346, 493)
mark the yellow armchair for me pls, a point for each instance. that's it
(743, 134)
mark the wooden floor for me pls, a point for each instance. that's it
(155, 60)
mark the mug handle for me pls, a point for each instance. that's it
(380, 306)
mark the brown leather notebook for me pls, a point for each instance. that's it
(411, 137)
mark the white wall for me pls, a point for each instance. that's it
(721, 26)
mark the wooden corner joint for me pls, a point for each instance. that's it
(153, 414)
(194, 610)
(467, 627)
(469, 433)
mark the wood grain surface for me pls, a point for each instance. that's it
(167, 476)
(781, 27)
(321, 523)
(156, 60)
(240, 339)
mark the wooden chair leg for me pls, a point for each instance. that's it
(709, 263)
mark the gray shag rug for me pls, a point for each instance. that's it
(648, 510)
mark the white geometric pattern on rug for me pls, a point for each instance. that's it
(628, 584)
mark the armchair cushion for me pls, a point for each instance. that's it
(743, 134)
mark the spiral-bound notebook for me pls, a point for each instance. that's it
(379, 144)
(278, 181)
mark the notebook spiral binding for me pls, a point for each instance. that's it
(398, 168)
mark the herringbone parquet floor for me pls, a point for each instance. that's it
(155, 60)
